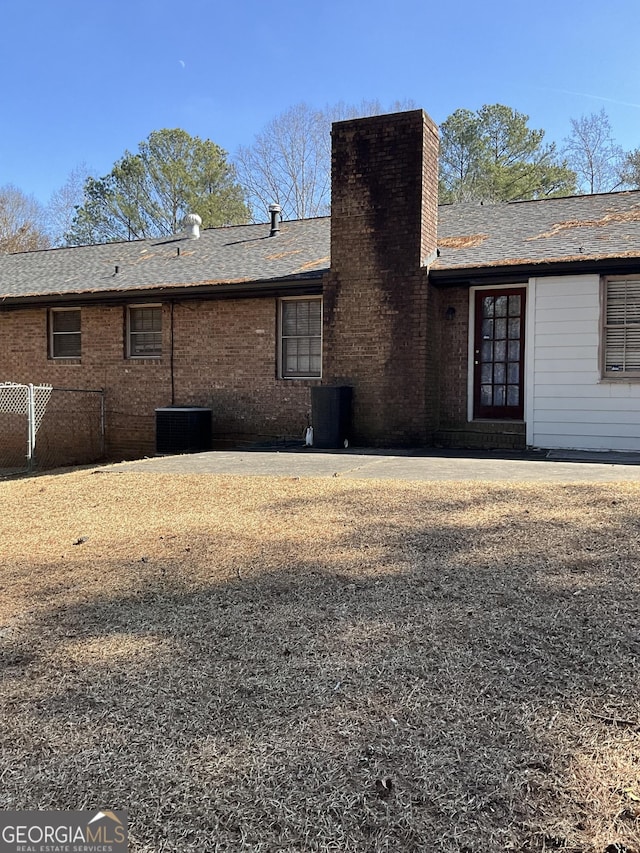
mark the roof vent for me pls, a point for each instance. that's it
(192, 223)
(274, 210)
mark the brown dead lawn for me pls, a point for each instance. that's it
(243, 663)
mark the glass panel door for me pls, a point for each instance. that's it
(499, 354)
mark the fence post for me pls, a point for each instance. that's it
(102, 424)
(31, 426)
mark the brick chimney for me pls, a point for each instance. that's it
(384, 210)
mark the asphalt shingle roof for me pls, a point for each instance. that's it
(555, 230)
(470, 236)
(231, 255)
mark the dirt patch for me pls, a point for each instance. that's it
(319, 665)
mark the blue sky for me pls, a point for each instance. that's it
(84, 81)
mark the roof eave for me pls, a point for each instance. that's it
(310, 284)
(509, 273)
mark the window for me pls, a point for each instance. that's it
(622, 328)
(300, 338)
(64, 333)
(144, 331)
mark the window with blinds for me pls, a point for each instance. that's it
(65, 333)
(144, 331)
(300, 338)
(622, 327)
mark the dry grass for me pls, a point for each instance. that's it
(241, 663)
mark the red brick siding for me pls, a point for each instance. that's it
(69, 431)
(433, 366)
(383, 226)
(13, 440)
(454, 356)
(236, 344)
(224, 357)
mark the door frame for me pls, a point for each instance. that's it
(526, 286)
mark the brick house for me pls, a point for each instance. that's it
(466, 325)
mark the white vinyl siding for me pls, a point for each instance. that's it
(622, 328)
(571, 405)
(65, 336)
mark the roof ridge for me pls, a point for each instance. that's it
(489, 204)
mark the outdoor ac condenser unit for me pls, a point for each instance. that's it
(182, 429)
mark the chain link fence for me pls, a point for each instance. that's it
(45, 427)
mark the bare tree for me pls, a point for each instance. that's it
(64, 202)
(289, 162)
(593, 154)
(22, 222)
(287, 165)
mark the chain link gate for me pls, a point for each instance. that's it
(46, 427)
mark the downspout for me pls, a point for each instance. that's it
(103, 425)
(173, 383)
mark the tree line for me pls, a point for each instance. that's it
(490, 155)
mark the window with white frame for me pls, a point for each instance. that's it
(621, 339)
(65, 333)
(144, 331)
(301, 338)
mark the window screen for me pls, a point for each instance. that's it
(145, 331)
(65, 333)
(301, 338)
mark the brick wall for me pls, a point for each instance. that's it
(224, 356)
(13, 440)
(383, 228)
(453, 356)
